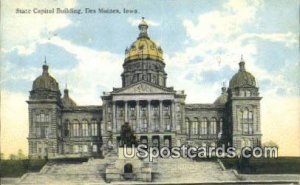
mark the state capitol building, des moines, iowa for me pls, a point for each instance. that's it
(157, 114)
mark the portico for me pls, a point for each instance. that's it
(149, 110)
(154, 116)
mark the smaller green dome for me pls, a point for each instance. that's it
(67, 101)
(45, 81)
(242, 78)
(223, 98)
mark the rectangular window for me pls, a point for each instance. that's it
(245, 128)
(75, 149)
(109, 126)
(95, 148)
(34, 147)
(85, 148)
(43, 132)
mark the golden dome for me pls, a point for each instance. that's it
(143, 47)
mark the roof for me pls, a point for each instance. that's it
(143, 47)
(45, 81)
(242, 78)
(66, 100)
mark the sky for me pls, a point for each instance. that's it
(202, 42)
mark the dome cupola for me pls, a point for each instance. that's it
(45, 81)
(45, 86)
(144, 60)
(66, 100)
(223, 98)
(242, 78)
(143, 47)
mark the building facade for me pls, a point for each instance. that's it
(158, 114)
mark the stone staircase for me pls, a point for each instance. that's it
(90, 172)
(187, 170)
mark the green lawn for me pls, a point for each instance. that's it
(281, 165)
(16, 168)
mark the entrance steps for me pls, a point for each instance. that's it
(187, 170)
(90, 172)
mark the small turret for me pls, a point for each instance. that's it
(66, 100)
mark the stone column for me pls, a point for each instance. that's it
(138, 115)
(173, 122)
(104, 122)
(114, 116)
(149, 115)
(161, 126)
(125, 111)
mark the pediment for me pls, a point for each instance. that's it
(142, 88)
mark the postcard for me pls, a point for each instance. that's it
(150, 92)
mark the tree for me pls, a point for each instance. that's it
(13, 157)
(21, 155)
(1, 156)
(270, 144)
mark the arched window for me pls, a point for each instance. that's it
(204, 126)
(128, 168)
(245, 114)
(85, 128)
(187, 124)
(94, 128)
(213, 126)
(43, 118)
(250, 115)
(195, 127)
(76, 131)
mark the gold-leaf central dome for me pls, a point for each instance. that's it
(143, 47)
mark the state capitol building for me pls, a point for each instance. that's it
(157, 114)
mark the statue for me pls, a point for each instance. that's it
(127, 136)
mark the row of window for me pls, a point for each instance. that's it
(42, 132)
(144, 125)
(35, 148)
(84, 148)
(84, 129)
(247, 115)
(42, 117)
(203, 127)
(247, 121)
